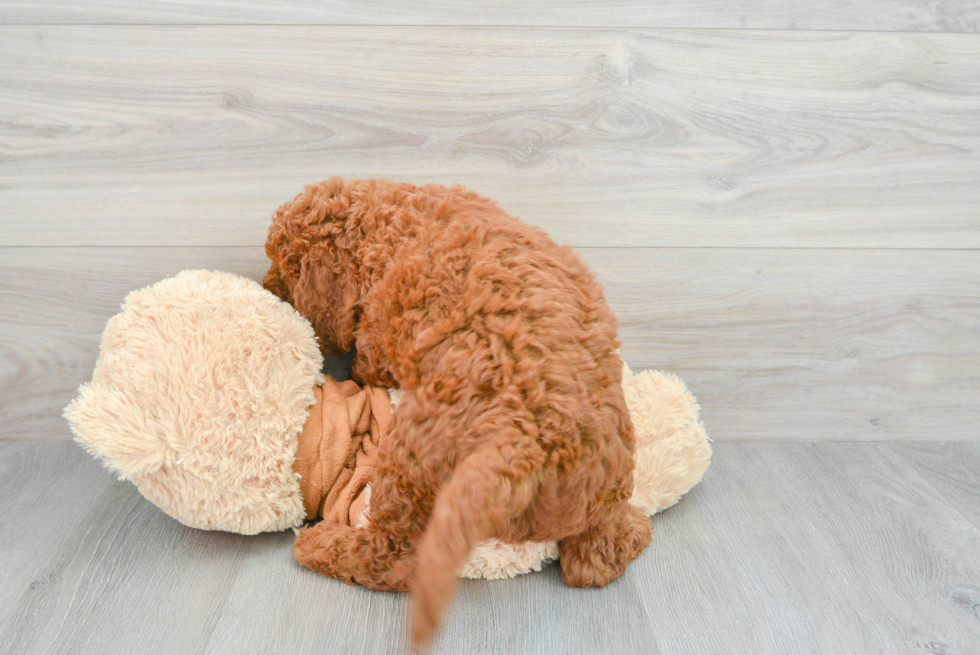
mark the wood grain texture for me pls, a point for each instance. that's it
(954, 470)
(44, 493)
(896, 15)
(193, 135)
(56, 302)
(775, 343)
(783, 548)
(782, 344)
(812, 548)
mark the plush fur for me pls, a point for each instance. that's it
(672, 453)
(155, 363)
(514, 425)
(202, 386)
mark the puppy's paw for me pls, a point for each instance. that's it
(321, 547)
(352, 556)
(599, 555)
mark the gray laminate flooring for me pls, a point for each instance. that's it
(783, 548)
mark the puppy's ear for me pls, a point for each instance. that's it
(285, 247)
(274, 282)
(329, 303)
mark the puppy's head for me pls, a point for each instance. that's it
(308, 267)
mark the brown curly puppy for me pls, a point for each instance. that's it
(513, 424)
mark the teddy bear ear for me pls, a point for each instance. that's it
(111, 428)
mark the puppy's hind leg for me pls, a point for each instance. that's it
(382, 555)
(599, 555)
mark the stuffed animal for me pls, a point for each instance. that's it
(208, 395)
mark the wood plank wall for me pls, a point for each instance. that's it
(782, 199)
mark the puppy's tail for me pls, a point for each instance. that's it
(484, 493)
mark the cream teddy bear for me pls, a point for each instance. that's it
(208, 395)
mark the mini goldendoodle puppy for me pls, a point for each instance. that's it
(513, 424)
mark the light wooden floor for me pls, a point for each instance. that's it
(782, 198)
(784, 548)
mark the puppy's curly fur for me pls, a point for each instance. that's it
(513, 423)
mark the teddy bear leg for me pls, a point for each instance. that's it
(379, 556)
(600, 554)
